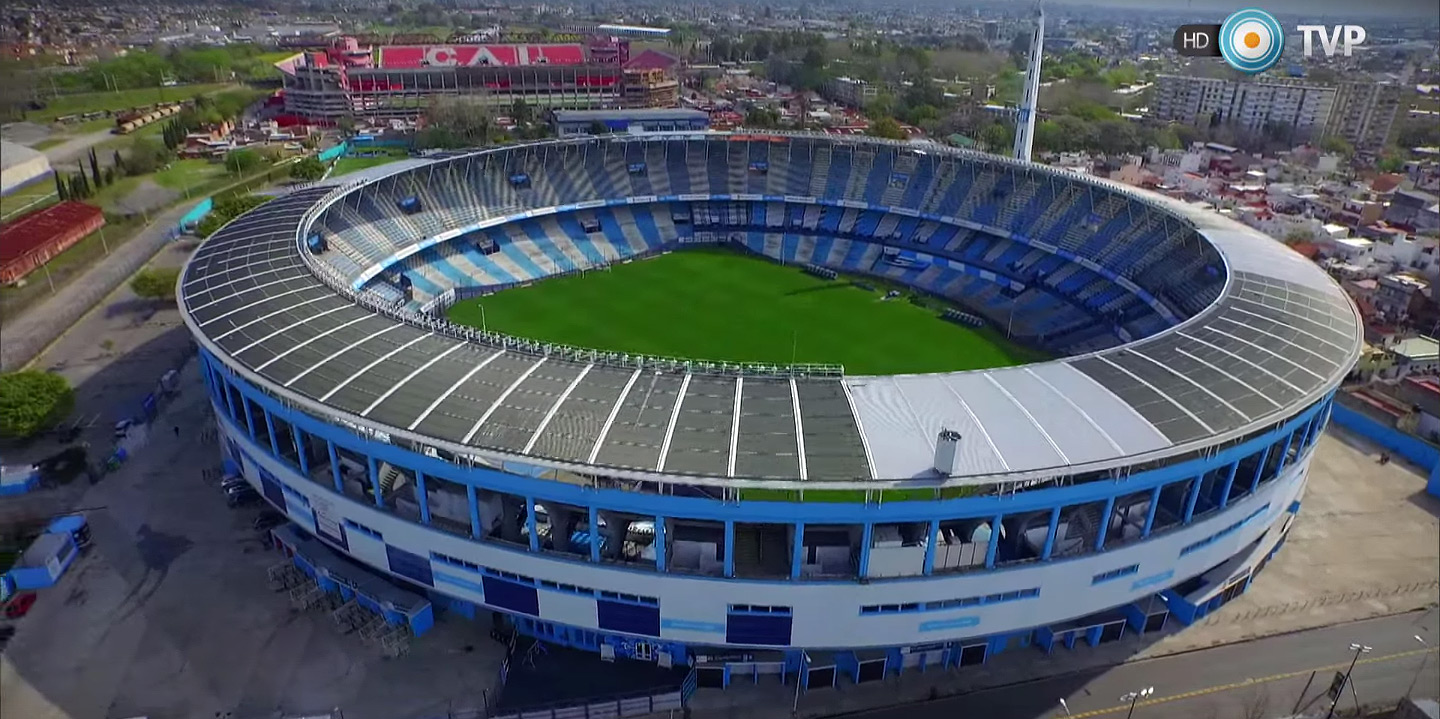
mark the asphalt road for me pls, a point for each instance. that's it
(27, 335)
(1254, 680)
(74, 149)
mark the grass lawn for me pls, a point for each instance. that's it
(122, 100)
(49, 143)
(34, 196)
(718, 304)
(353, 164)
(188, 173)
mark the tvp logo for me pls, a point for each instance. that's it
(1252, 40)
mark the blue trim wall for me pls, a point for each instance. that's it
(1404, 444)
(651, 505)
(369, 530)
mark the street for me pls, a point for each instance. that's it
(1255, 680)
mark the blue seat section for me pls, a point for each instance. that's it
(879, 177)
(839, 176)
(1043, 295)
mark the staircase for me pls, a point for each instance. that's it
(748, 562)
(820, 171)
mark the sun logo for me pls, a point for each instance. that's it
(1251, 40)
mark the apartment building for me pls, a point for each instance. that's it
(1361, 112)
(1254, 105)
(1364, 113)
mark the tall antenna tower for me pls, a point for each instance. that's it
(1030, 93)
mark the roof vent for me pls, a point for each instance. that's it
(947, 453)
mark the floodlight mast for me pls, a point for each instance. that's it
(1030, 92)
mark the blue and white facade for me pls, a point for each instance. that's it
(675, 510)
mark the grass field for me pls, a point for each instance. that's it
(717, 304)
(122, 100)
(353, 164)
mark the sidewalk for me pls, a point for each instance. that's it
(25, 337)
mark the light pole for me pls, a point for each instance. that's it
(1065, 706)
(1134, 698)
(799, 680)
(1423, 658)
(1358, 649)
(484, 326)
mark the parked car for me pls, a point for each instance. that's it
(241, 496)
(269, 519)
(233, 481)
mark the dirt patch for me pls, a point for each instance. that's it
(147, 197)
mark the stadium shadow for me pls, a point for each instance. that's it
(48, 658)
(818, 288)
(1021, 683)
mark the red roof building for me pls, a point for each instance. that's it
(653, 60)
(36, 238)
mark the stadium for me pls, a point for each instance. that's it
(397, 82)
(1090, 413)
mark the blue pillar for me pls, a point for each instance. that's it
(991, 551)
(249, 419)
(1285, 454)
(1105, 523)
(1195, 485)
(422, 496)
(270, 430)
(867, 535)
(1229, 482)
(335, 467)
(530, 524)
(660, 544)
(729, 548)
(474, 511)
(229, 399)
(1150, 515)
(594, 535)
(932, 537)
(797, 550)
(1259, 470)
(1050, 535)
(300, 450)
(374, 470)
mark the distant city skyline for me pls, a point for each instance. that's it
(1307, 8)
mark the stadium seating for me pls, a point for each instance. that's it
(1054, 300)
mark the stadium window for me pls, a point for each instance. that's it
(1114, 574)
(352, 524)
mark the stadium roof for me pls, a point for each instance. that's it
(1281, 335)
(635, 30)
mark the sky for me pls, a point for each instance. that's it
(1414, 8)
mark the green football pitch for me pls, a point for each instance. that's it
(717, 304)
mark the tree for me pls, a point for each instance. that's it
(307, 169)
(598, 128)
(95, 168)
(887, 127)
(32, 402)
(60, 190)
(521, 112)
(242, 161)
(761, 118)
(118, 163)
(346, 126)
(146, 156)
(1337, 145)
(155, 284)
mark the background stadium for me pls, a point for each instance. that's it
(765, 507)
